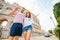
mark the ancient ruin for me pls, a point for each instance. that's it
(6, 21)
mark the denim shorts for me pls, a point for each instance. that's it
(27, 28)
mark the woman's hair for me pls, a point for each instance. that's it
(29, 14)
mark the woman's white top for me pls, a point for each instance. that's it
(27, 21)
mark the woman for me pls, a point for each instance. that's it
(27, 28)
(16, 29)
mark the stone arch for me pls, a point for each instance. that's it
(6, 30)
(2, 21)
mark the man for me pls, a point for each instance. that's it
(16, 29)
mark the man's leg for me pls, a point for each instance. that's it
(16, 38)
(11, 38)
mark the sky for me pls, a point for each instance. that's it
(55, 1)
(42, 8)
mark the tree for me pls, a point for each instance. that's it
(57, 16)
(57, 12)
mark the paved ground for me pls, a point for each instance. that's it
(39, 38)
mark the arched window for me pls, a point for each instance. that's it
(8, 8)
(4, 23)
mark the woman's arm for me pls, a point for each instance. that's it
(13, 11)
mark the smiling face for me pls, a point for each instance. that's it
(21, 9)
(28, 14)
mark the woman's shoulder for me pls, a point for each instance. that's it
(27, 18)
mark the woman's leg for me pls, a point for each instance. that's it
(16, 38)
(28, 35)
(11, 38)
(25, 34)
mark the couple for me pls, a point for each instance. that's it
(21, 24)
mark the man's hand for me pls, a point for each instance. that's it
(13, 11)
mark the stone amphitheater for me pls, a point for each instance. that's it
(6, 22)
(5, 8)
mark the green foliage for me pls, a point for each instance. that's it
(57, 16)
(50, 31)
(58, 20)
(57, 31)
(57, 10)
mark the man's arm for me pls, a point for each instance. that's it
(13, 11)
